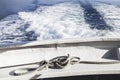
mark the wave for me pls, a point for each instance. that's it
(111, 15)
(59, 21)
(65, 20)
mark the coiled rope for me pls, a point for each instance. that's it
(55, 63)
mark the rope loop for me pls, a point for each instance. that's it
(56, 63)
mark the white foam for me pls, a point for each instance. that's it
(65, 20)
(111, 15)
(61, 20)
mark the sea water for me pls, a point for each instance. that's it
(51, 19)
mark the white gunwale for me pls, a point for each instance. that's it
(62, 41)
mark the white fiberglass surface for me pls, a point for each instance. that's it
(58, 19)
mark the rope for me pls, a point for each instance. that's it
(55, 63)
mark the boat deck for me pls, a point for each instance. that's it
(100, 51)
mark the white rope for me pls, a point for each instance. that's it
(56, 63)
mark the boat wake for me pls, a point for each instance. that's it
(70, 19)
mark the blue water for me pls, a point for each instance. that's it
(15, 29)
(94, 18)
